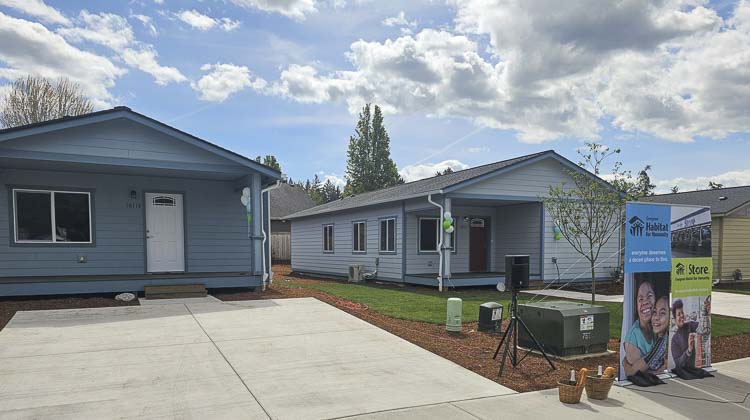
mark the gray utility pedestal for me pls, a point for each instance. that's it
(566, 328)
(490, 317)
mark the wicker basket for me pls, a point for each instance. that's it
(570, 394)
(598, 388)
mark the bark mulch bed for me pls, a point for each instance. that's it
(470, 348)
(9, 306)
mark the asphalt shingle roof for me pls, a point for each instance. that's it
(735, 198)
(412, 189)
(288, 199)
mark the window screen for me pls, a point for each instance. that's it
(388, 235)
(359, 240)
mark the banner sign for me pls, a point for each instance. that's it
(667, 305)
(647, 238)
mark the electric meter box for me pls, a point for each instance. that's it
(565, 328)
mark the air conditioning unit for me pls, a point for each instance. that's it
(356, 273)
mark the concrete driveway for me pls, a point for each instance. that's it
(289, 358)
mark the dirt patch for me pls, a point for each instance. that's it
(9, 306)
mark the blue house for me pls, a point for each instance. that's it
(114, 201)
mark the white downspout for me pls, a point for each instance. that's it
(440, 242)
(263, 229)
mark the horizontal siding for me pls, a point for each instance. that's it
(307, 243)
(532, 180)
(216, 233)
(736, 247)
(572, 265)
(518, 231)
(116, 139)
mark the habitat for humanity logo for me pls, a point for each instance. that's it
(651, 227)
(679, 269)
(636, 226)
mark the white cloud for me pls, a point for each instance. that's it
(335, 179)
(106, 29)
(204, 23)
(478, 149)
(30, 48)
(427, 170)
(399, 20)
(144, 59)
(147, 23)
(38, 9)
(728, 179)
(223, 80)
(672, 68)
(295, 9)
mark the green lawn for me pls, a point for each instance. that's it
(427, 305)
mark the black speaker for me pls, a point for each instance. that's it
(517, 271)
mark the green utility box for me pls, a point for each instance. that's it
(565, 328)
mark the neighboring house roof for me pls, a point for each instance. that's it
(721, 201)
(288, 199)
(127, 113)
(435, 185)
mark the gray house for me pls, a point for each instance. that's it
(497, 210)
(285, 200)
(115, 201)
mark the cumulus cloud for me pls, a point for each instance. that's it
(336, 180)
(37, 9)
(30, 48)
(672, 68)
(295, 9)
(402, 22)
(144, 58)
(223, 80)
(106, 29)
(728, 179)
(426, 170)
(204, 23)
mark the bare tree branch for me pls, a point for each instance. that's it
(35, 99)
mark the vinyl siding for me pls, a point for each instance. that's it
(216, 226)
(735, 247)
(116, 139)
(518, 231)
(307, 243)
(532, 180)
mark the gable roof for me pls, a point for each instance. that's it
(287, 199)
(435, 185)
(736, 197)
(127, 113)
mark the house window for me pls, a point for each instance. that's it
(429, 234)
(327, 238)
(388, 235)
(164, 201)
(359, 241)
(52, 216)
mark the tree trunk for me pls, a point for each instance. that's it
(593, 283)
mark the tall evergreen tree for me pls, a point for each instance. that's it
(369, 165)
(330, 192)
(269, 160)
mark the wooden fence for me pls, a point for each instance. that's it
(281, 246)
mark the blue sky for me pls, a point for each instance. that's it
(463, 82)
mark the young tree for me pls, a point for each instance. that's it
(643, 185)
(269, 160)
(36, 99)
(369, 165)
(589, 213)
(714, 185)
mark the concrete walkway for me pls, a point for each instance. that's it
(722, 303)
(282, 359)
(712, 398)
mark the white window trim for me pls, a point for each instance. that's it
(387, 242)
(325, 236)
(52, 217)
(419, 235)
(354, 234)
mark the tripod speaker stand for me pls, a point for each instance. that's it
(511, 336)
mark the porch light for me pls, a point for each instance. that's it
(133, 195)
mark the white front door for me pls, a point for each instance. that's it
(165, 236)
